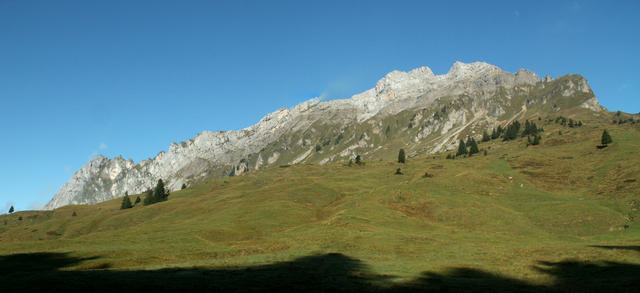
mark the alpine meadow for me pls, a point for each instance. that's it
(319, 146)
(476, 180)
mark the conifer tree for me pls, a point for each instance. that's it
(148, 197)
(512, 131)
(606, 138)
(494, 134)
(137, 200)
(184, 186)
(462, 148)
(530, 128)
(11, 210)
(485, 136)
(473, 146)
(159, 193)
(126, 202)
(358, 160)
(401, 156)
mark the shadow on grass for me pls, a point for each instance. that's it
(630, 247)
(45, 272)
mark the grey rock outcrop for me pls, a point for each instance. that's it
(237, 150)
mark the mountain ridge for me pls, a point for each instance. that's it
(487, 91)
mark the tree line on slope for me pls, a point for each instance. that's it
(158, 194)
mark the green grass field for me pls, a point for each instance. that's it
(560, 216)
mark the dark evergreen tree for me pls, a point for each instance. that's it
(148, 197)
(606, 138)
(184, 186)
(160, 193)
(462, 149)
(126, 202)
(527, 127)
(358, 160)
(530, 128)
(398, 171)
(512, 131)
(401, 156)
(473, 146)
(485, 136)
(137, 200)
(497, 132)
(74, 214)
(571, 123)
(11, 210)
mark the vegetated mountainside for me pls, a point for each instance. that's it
(420, 111)
(561, 215)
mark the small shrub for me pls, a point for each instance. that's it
(74, 214)
(398, 172)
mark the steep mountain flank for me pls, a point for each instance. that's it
(417, 110)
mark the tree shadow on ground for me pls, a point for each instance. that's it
(45, 272)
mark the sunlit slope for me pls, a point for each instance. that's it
(503, 212)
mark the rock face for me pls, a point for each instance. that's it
(437, 110)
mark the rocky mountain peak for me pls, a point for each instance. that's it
(315, 131)
(461, 70)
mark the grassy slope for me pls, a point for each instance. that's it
(504, 213)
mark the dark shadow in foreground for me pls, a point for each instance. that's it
(44, 272)
(630, 247)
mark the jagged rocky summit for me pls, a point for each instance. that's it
(426, 112)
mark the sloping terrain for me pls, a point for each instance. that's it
(561, 215)
(417, 110)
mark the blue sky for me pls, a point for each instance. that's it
(78, 78)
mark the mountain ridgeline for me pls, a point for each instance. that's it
(416, 110)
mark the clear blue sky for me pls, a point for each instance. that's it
(79, 78)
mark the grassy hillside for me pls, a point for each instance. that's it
(557, 216)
